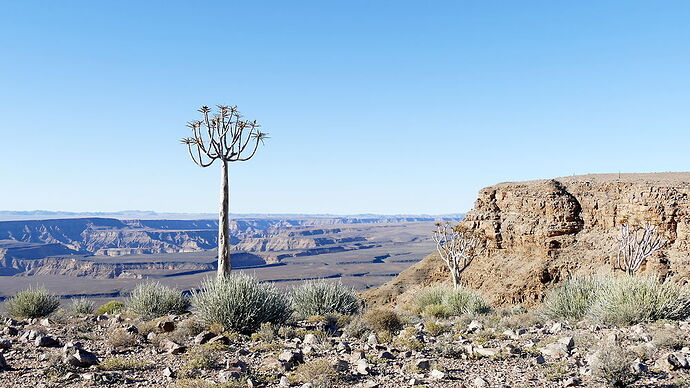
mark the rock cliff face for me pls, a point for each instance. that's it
(541, 232)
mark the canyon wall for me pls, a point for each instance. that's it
(542, 232)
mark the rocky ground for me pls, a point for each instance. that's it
(509, 349)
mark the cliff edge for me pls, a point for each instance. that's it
(541, 232)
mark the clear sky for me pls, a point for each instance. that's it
(372, 106)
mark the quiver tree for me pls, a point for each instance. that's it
(223, 136)
(636, 245)
(457, 246)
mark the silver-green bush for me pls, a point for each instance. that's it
(321, 297)
(628, 300)
(430, 296)
(573, 299)
(153, 299)
(32, 303)
(82, 306)
(240, 303)
(450, 301)
(463, 301)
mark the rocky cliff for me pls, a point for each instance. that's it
(541, 232)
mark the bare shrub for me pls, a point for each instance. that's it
(120, 338)
(613, 366)
(382, 319)
(636, 245)
(457, 246)
(318, 372)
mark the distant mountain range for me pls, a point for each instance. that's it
(10, 215)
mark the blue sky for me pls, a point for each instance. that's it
(372, 106)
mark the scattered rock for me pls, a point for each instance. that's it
(235, 365)
(437, 374)
(45, 341)
(3, 363)
(220, 339)
(310, 339)
(475, 326)
(5, 344)
(168, 372)
(203, 337)
(479, 382)
(340, 365)
(284, 382)
(372, 339)
(422, 364)
(172, 347)
(386, 355)
(572, 382)
(362, 366)
(166, 326)
(81, 358)
(10, 330)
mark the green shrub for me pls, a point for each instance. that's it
(321, 297)
(448, 301)
(82, 306)
(435, 310)
(381, 320)
(573, 299)
(463, 301)
(153, 299)
(112, 307)
(32, 303)
(240, 303)
(628, 300)
(430, 296)
(613, 367)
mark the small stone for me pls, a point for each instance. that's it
(168, 372)
(45, 322)
(437, 374)
(3, 363)
(413, 382)
(220, 339)
(343, 347)
(251, 383)
(308, 350)
(10, 330)
(203, 337)
(362, 367)
(5, 344)
(486, 352)
(569, 342)
(310, 339)
(372, 340)
(555, 350)
(236, 365)
(291, 357)
(357, 355)
(422, 364)
(45, 341)
(475, 326)
(556, 328)
(639, 367)
(386, 355)
(131, 329)
(572, 382)
(340, 365)
(166, 326)
(70, 376)
(678, 361)
(284, 382)
(480, 382)
(172, 347)
(151, 336)
(370, 384)
(81, 358)
(539, 360)
(226, 376)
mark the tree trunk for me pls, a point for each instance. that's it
(224, 264)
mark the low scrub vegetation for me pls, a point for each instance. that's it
(153, 299)
(448, 301)
(383, 320)
(82, 306)
(321, 297)
(318, 372)
(240, 303)
(112, 307)
(32, 303)
(618, 301)
(613, 367)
